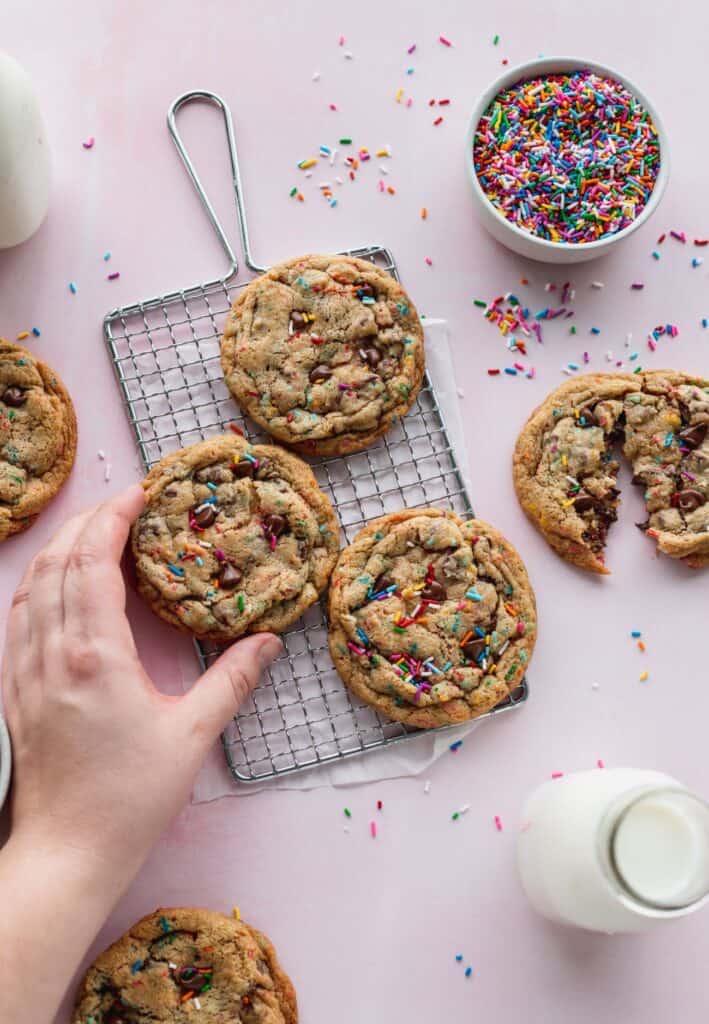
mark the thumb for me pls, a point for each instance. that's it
(217, 696)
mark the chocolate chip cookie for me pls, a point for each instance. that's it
(37, 437)
(234, 538)
(565, 467)
(324, 352)
(432, 617)
(186, 965)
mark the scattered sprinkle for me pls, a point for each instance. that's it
(373, 829)
(36, 331)
(348, 812)
(114, 276)
(498, 822)
(107, 472)
(72, 288)
(446, 42)
(468, 971)
(427, 786)
(643, 676)
(89, 144)
(455, 746)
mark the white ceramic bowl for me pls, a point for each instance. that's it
(5, 761)
(523, 242)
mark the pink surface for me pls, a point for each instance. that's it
(369, 928)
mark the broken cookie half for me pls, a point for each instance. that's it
(565, 463)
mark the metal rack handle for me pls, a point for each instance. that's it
(211, 97)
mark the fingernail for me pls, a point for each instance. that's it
(269, 651)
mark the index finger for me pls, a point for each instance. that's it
(94, 592)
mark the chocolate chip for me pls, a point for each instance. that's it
(587, 417)
(230, 576)
(692, 437)
(243, 468)
(275, 524)
(365, 290)
(297, 320)
(473, 649)
(382, 582)
(689, 499)
(433, 591)
(205, 517)
(584, 503)
(320, 372)
(643, 526)
(170, 492)
(14, 397)
(372, 356)
(637, 479)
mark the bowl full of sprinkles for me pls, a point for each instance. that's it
(566, 158)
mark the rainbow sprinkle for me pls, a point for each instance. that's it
(568, 157)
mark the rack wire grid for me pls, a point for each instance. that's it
(166, 356)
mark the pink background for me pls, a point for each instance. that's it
(369, 929)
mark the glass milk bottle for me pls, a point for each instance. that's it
(24, 156)
(615, 850)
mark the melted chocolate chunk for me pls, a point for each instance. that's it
(382, 582)
(243, 468)
(365, 290)
(372, 356)
(205, 517)
(229, 577)
(618, 432)
(297, 320)
(688, 499)
(319, 373)
(584, 503)
(14, 397)
(473, 649)
(191, 980)
(692, 437)
(587, 417)
(275, 524)
(433, 591)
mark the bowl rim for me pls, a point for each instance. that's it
(5, 760)
(551, 65)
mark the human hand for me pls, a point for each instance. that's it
(102, 760)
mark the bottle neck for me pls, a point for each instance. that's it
(653, 847)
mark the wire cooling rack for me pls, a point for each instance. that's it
(165, 352)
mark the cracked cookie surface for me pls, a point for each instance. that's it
(184, 964)
(234, 538)
(324, 352)
(37, 437)
(565, 469)
(432, 617)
